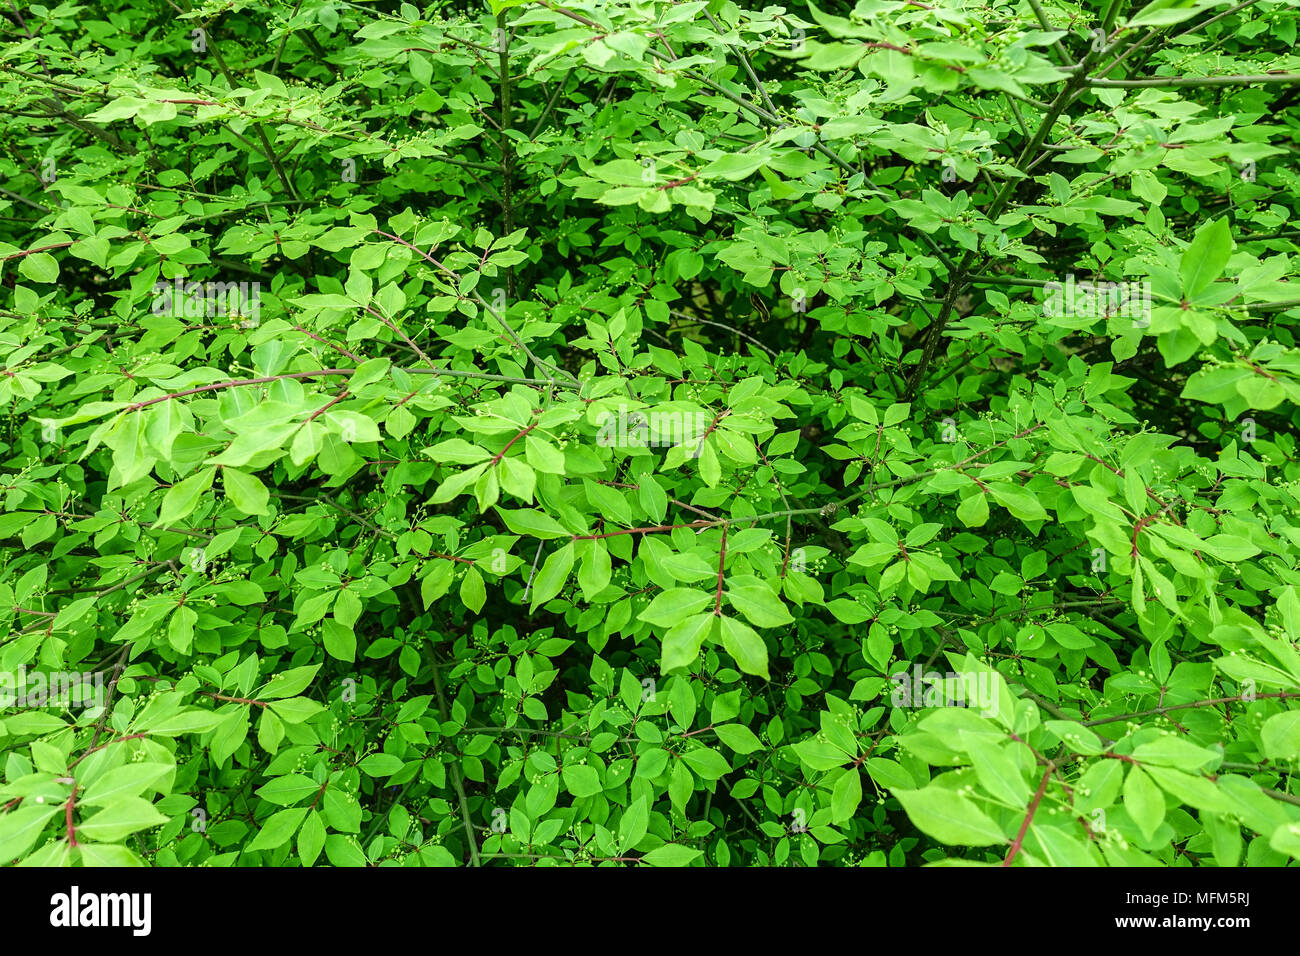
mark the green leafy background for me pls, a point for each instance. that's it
(366, 587)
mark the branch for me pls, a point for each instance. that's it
(1167, 81)
(455, 773)
(1029, 815)
(325, 372)
(722, 560)
(1154, 711)
(546, 367)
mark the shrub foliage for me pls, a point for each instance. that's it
(644, 431)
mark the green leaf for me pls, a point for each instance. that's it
(246, 492)
(473, 592)
(121, 818)
(19, 829)
(1204, 260)
(581, 780)
(278, 829)
(340, 641)
(759, 605)
(295, 710)
(739, 738)
(949, 817)
(107, 855)
(997, 772)
(1144, 801)
(973, 511)
(288, 789)
(342, 850)
(820, 754)
(534, 524)
(671, 854)
(1280, 736)
(1164, 13)
(288, 683)
(183, 497)
(1171, 751)
(186, 722)
(552, 577)
(673, 606)
(743, 643)
(846, 796)
(311, 838)
(709, 764)
(1018, 501)
(381, 765)
(632, 827)
(128, 781)
(681, 645)
(39, 267)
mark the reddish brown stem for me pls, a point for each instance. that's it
(107, 743)
(29, 252)
(649, 530)
(1029, 815)
(237, 382)
(235, 700)
(501, 454)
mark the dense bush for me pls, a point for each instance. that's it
(619, 395)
